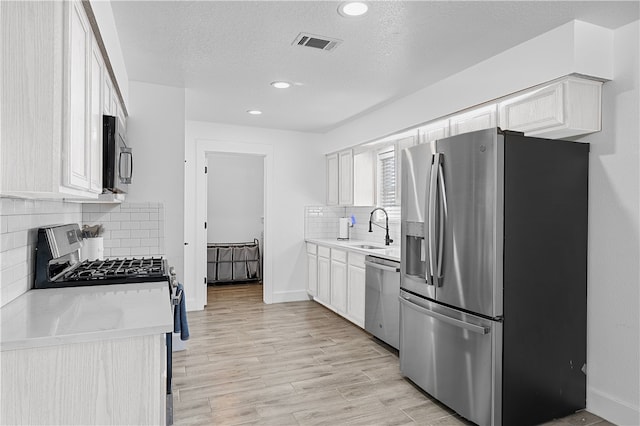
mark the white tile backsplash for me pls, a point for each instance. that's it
(131, 229)
(322, 222)
(19, 223)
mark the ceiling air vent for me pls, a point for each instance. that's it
(317, 42)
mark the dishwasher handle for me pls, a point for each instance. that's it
(381, 266)
(406, 300)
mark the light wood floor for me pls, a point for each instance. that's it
(295, 364)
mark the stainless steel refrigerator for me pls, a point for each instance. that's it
(493, 275)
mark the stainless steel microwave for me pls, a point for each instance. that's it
(117, 158)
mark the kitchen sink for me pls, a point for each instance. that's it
(369, 247)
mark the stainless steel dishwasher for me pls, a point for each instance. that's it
(382, 307)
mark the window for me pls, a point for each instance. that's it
(387, 187)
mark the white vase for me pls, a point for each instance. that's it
(93, 248)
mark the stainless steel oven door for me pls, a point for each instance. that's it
(454, 356)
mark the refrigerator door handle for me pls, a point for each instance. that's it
(431, 217)
(441, 220)
(406, 300)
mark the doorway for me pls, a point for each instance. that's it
(206, 147)
(235, 218)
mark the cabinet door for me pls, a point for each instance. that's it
(324, 279)
(77, 141)
(97, 68)
(312, 274)
(114, 103)
(339, 286)
(477, 119)
(355, 294)
(332, 179)
(107, 94)
(567, 108)
(364, 177)
(434, 131)
(345, 177)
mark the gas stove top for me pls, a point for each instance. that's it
(142, 269)
(110, 271)
(58, 264)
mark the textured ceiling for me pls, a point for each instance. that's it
(226, 53)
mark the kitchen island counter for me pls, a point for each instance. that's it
(59, 316)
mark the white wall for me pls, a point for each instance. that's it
(156, 133)
(613, 356)
(235, 198)
(297, 163)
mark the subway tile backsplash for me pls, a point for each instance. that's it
(131, 229)
(322, 222)
(19, 223)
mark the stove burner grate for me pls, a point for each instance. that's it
(90, 270)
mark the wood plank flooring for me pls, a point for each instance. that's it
(297, 363)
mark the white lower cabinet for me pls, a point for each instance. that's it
(355, 288)
(117, 381)
(324, 275)
(312, 269)
(338, 278)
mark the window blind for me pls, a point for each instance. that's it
(386, 185)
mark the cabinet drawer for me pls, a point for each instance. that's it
(339, 255)
(312, 248)
(356, 259)
(324, 251)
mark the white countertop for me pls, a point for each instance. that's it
(386, 252)
(57, 316)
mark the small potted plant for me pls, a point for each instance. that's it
(93, 247)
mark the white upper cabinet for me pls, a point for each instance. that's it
(340, 178)
(568, 107)
(76, 140)
(364, 190)
(96, 111)
(31, 101)
(54, 94)
(476, 119)
(332, 179)
(433, 131)
(345, 178)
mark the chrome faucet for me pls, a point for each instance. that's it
(387, 240)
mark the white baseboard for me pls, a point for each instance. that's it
(289, 296)
(612, 409)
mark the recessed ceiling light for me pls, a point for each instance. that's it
(281, 84)
(254, 112)
(353, 8)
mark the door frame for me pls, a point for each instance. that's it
(208, 146)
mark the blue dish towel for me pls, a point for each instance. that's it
(180, 316)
